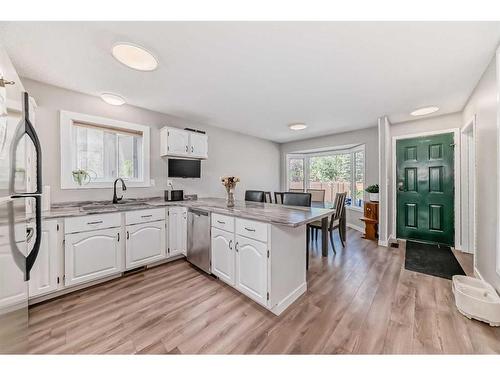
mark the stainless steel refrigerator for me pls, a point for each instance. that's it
(20, 209)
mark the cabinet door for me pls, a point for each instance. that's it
(177, 231)
(92, 255)
(177, 142)
(198, 145)
(13, 288)
(223, 255)
(145, 244)
(251, 268)
(44, 274)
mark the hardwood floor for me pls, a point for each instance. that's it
(360, 300)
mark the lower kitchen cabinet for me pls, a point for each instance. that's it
(251, 268)
(223, 261)
(15, 291)
(45, 276)
(145, 244)
(177, 231)
(92, 255)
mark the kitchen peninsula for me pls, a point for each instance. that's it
(257, 248)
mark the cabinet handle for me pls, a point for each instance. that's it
(221, 222)
(250, 229)
(94, 222)
(118, 237)
(145, 216)
(192, 149)
(236, 247)
(128, 236)
(187, 149)
(230, 243)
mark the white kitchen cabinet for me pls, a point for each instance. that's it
(45, 276)
(92, 255)
(145, 244)
(223, 258)
(177, 231)
(251, 268)
(198, 145)
(183, 143)
(13, 288)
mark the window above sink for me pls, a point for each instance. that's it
(96, 150)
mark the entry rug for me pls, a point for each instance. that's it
(432, 259)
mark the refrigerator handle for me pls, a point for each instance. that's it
(30, 131)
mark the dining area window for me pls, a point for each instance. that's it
(338, 171)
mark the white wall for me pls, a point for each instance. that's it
(368, 137)
(444, 122)
(255, 161)
(484, 104)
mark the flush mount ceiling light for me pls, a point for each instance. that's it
(424, 111)
(297, 126)
(134, 57)
(112, 99)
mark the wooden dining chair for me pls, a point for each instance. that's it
(317, 195)
(267, 197)
(278, 197)
(339, 205)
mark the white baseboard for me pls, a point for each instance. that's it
(288, 300)
(383, 243)
(355, 227)
(478, 274)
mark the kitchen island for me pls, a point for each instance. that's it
(257, 248)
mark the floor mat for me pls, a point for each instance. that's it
(432, 259)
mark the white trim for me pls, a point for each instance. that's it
(498, 162)
(66, 121)
(355, 227)
(355, 208)
(288, 300)
(456, 166)
(478, 275)
(383, 243)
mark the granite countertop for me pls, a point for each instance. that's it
(293, 216)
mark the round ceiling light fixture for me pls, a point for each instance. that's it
(424, 111)
(134, 57)
(298, 126)
(112, 99)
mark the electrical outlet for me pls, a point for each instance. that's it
(170, 183)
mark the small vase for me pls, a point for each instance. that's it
(373, 197)
(230, 198)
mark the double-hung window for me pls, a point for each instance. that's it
(96, 151)
(337, 171)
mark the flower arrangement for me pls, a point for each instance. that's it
(230, 183)
(372, 191)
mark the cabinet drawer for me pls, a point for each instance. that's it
(144, 216)
(91, 222)
(223, 222)
(252, 229)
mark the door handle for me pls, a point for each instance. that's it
(401, 186)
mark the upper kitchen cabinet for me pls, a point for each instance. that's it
(183, 143)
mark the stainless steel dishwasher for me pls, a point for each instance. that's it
(198, 239)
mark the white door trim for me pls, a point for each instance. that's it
(469, 187)
(456, 166)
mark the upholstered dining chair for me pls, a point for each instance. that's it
(297, 199)
(254, 196)
(317, 195)
(339, 205)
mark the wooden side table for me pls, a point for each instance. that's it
(371, 220)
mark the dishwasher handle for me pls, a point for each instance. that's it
(198, 212)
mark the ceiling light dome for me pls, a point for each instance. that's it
(299, 126)
(424, 111)
(134, 57)
(112, 99)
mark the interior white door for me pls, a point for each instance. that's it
(223, 258)
(198, 145)
(251, 268)
(177, 142)
(145, 244)
(44, 274)
(92, 255)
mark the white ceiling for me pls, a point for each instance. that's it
(258, 77)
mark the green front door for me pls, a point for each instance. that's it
(425, 189)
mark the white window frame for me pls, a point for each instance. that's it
(348, 150)
(67, 120)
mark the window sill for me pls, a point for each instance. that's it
(105, 185)
(355, 208)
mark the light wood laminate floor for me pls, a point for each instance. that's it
(360, 300)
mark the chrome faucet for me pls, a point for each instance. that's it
(124, 187)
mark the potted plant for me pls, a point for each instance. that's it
(373, 191)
